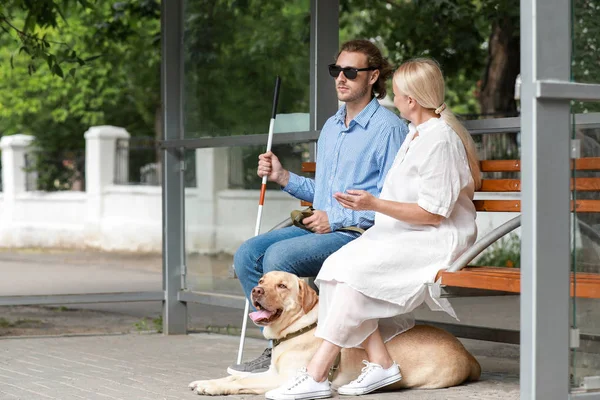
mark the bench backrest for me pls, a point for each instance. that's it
(489, 185)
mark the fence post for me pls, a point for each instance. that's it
(14, 149)
(14, 177)
(100, 160)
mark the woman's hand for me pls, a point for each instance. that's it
(356, 200)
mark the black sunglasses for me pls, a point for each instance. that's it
(349, 72)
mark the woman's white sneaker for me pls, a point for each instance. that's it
(301, 387)
(372, 377)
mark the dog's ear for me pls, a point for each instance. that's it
(308, 297)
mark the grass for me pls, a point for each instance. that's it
(223, 330)
(148, 324)
(61, 309)
(5, 323)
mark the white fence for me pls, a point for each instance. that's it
(129, 218)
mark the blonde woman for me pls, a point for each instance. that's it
(425, 218)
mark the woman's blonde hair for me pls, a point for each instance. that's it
(422, 79)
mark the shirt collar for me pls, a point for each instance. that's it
(431, 123)
(363, 117)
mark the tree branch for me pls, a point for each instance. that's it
(27, 35)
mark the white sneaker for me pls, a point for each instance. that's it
(373, 377)
(301, 387)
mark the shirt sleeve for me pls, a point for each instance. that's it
(340, 217)
(440, 184)
(386, 151)
(300, 187)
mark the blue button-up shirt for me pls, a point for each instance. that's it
(354, 157)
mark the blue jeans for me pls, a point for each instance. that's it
(290, 249)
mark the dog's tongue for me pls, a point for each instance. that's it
(260, 315)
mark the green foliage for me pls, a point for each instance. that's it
(234, 50)
(26, 23)
(5, 323)
(585, 65)
(69, 64)
(506, 252)
(455, 35)
(158, 324)
(147, 324)
(120, 87)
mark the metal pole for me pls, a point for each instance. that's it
(173, 207)
(261, 202)
(545, 246)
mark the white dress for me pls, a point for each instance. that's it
(379, 278)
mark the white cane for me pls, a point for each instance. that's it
(261, 202)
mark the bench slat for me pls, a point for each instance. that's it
(515, 205)
(509, 280)
(587, 164)
(512, 205)
(586, 206)
(514, 185)
(500, 165)
(309, 167)
(586, 184)
(500, 185)
(581, 164)
(498, 205)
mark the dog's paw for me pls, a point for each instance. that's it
(208, 388)
(194, 384)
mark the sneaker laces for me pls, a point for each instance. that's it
(300, 377)
(365, 371)
(261, 359)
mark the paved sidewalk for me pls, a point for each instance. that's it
(157, 367)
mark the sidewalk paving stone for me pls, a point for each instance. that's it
(158, 367)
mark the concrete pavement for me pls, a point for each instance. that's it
(150, 366)
(156, 367)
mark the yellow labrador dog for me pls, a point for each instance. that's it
(429, 358)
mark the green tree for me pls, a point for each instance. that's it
(119, 87)
(585, 65)
(475, 41)
(98, 62)
(25, 23)
(234, 50)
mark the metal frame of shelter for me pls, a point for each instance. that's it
(546, 92)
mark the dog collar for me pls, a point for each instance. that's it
(276, 342)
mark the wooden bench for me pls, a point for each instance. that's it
(501, 280)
